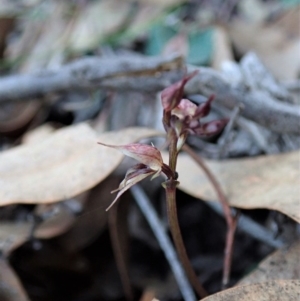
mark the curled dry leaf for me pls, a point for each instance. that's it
(11, 288)
(270, 182)
(275, 290)
(282, 264)
(67, 163)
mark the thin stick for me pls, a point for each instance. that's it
(118, 252)
(160, 233)
(230, 220)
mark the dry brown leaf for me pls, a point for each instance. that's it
(276, 290)
(10, 286)
(13, 235)
(277, 44)
(60, 218)
(282, 264)
(38, 134)
(67, 163)
(222, 51)
(91, 222)
(16, 116)
(270, 182)
(43, 40)
(97, 21)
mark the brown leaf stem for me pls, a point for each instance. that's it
(230, 219)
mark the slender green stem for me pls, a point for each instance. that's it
(170, 186)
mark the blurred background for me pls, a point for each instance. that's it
(67, 251)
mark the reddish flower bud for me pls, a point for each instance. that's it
(184, 108)
(172, 95)
(210, 128)
(204, 108)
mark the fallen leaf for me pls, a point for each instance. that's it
(222, 50)
(13, 235)
(67, 163)
(97, 21)
(276, 43)
(16, 116)
(61, 216)
(92, 221)
(276, 290)
(11, 288)
(270, 182)
(282, 264)
(43, 40)
(38, 134)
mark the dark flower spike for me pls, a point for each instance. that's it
(210, 128)
(204, 108)
(172, 95)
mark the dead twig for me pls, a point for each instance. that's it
(147, 74)
(118, 251)
(230, 219)
(152, 74)
(160, 233)
(260, 105)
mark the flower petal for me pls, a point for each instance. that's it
(144, 153)
(184, 108)
(171, 96)
(204, 108)
(129, 183)
(210, 128)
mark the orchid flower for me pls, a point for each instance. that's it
(172, 95)
(184, 116)
(151, 163)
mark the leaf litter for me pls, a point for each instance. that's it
(57, 165)
(62, 166)
(270, 182)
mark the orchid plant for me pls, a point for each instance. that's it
(181, 117)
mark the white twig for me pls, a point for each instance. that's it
(164, 242)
